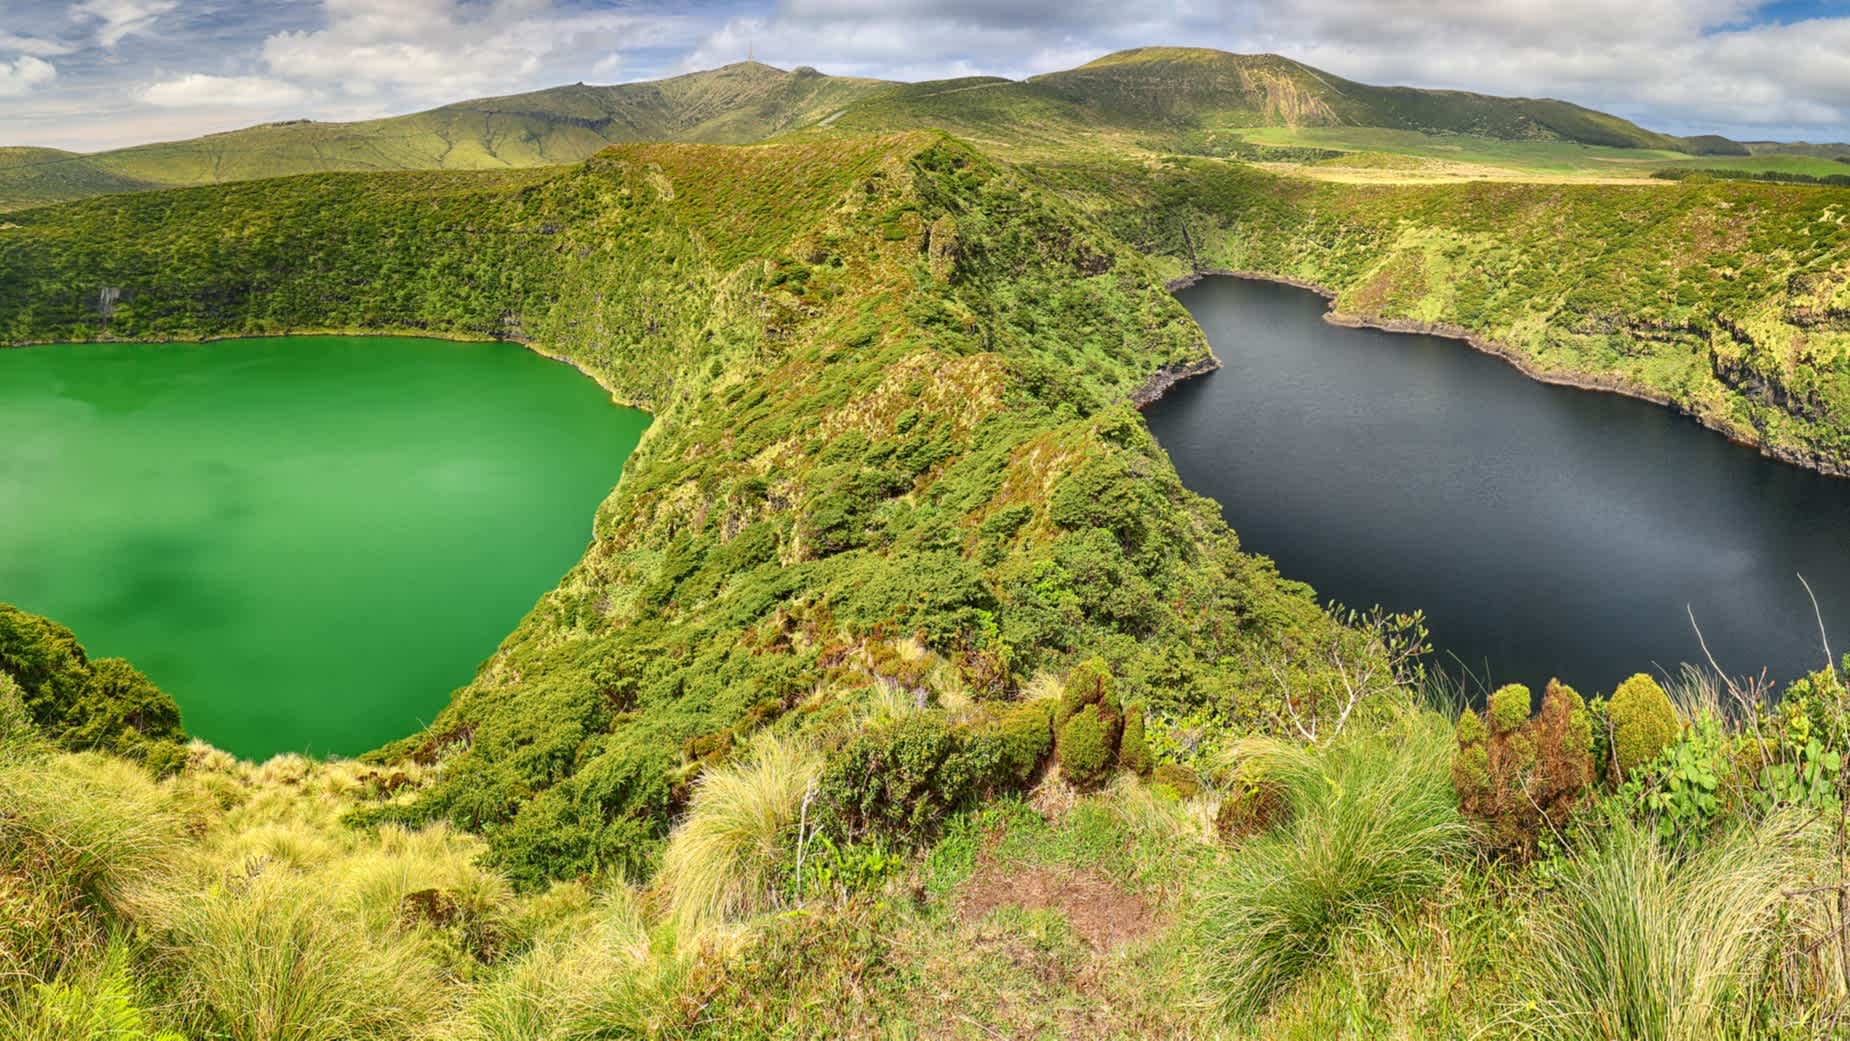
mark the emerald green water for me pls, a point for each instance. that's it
(309, 542)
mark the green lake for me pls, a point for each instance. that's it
(309, 542)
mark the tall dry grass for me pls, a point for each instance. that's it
(724, 858)
(1649, 941)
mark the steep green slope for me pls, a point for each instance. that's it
(87, 704)
(887, 446)
(1728, 300)
(737, 103)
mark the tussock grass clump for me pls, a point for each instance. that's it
(272, 956)
(1650, 941)
(1373, 825)
(602, 974)
(722, 860)
(78, 835)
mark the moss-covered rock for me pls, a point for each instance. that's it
(1178, 779)
(1087, 745)
(1643, 721)
(1133, 750)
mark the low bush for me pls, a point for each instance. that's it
(1133, 748)
(1089, 724)
(1518, 776)
(1005, 750)
(1642, 722)
(1087, 746)
(1178, 779)
(900, 779)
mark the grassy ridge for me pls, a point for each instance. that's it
(737, 103)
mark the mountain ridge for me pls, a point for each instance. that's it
(1155, 94)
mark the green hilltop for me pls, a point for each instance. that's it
(735, 104)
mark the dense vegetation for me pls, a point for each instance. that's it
(901, 672)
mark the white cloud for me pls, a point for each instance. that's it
(12, 43)
(121, 18)
(24, 75)
(201, 91)
(434, 51)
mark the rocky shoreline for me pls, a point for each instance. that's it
(1522, 363)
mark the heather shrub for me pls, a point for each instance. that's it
(1519, 775)
(1090, 683)
(899, 779)
(1643, 723)
(1005, 750)
(1133, 750)
(1087, 744)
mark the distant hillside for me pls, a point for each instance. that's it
(36, 176)
(1156, 96)
(731, 105)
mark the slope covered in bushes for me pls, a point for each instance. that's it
(890, 447)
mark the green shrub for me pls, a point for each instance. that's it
(1090, 683)
(1006, 750)
(1643, 723)
(1087, 745)
(900, 779)
(1374, 824)
(1508, 707)
(1521, 775)
(1133, 750)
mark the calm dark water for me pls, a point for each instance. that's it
(1545, 531)
(310, 541)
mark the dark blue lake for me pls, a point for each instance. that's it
(1545, 531)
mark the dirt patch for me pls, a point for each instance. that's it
(1103, 913)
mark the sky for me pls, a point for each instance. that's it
(94, 74)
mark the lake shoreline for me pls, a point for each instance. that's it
(1517, 360)
(409, 334)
